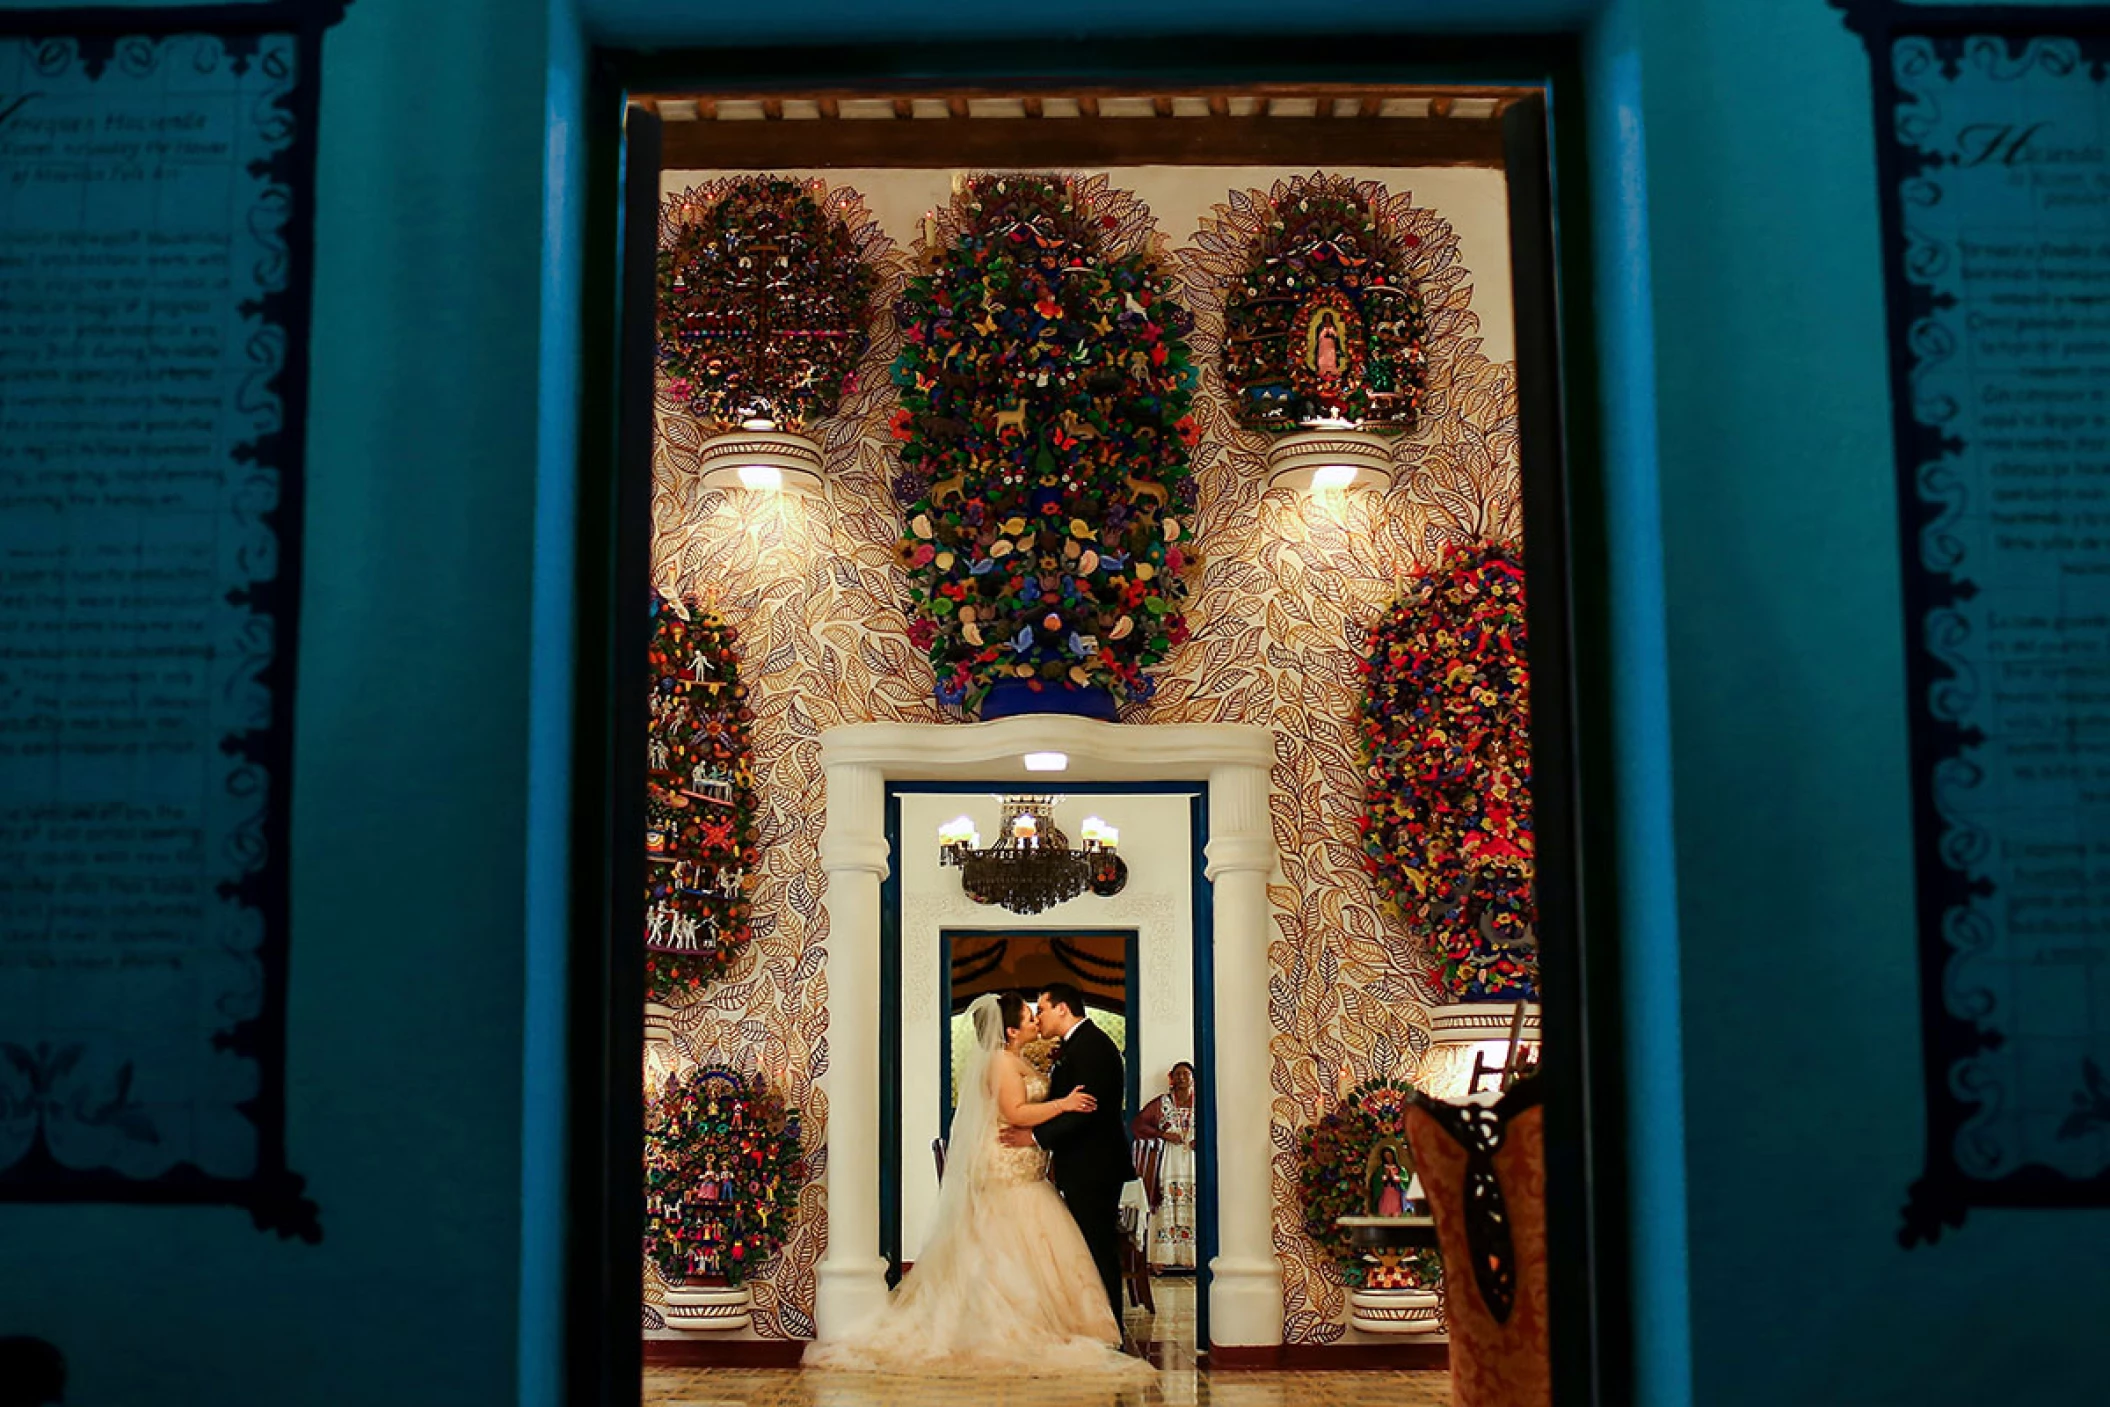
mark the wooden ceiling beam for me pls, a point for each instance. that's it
(1055, 144)
(1323, 91)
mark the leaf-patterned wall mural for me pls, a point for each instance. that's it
(1279, 613)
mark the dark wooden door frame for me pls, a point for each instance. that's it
(1564, 498)
(1131, 1013)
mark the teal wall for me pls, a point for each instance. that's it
(410, 791)
(1757, 681)
(1803, 1097)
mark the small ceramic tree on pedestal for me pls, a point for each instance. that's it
(723, 1171)
(764, 292)
(1323, 339)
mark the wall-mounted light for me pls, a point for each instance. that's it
(1331, 458)
(1047, 761)
(762, 461)
(766, 478)
(1333, 476)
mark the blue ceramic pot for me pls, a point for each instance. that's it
(1010, 697)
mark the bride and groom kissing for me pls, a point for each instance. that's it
(1021, 1270)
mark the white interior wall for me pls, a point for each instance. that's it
(1158, 903)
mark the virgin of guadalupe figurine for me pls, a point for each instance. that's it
(1326, 347)
(1387, 1182)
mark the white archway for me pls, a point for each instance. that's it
(1245, 1294)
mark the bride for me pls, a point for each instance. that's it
(1004, 1281)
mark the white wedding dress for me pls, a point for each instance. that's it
(1004, 1285)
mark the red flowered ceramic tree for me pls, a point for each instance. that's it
(1446, 736)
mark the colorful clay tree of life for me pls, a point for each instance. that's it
(1045, 385)
(764, 301)
(1343, 1170)
(1445, 734)
(723, 1172)
(1325, 327)
(700, 814)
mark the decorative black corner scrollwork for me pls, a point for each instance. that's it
(1992, 1138)
(97, 1115)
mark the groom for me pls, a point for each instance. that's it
(1091, 1160)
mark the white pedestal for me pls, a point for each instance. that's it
(707, 1308)
(1330, 459)
(659, 1022)
(1462, 1031)
(1405, 1312)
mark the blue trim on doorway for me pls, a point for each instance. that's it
(890, 1045)
(1203, 908)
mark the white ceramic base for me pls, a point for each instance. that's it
(740, 459)
(659, 1022)
(712, 1309)
(1458, 1033)
(1409, 1312)
(1336, 459)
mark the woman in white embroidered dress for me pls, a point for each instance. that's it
(1004, 1282)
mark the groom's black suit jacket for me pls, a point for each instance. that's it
(1089, 1148)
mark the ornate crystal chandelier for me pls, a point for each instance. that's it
(1032, 867)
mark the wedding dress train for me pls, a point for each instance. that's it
(1004, 1284)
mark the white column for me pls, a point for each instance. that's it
(852, 1275)
(1245, 1291)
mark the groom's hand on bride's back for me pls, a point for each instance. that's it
(1015, 1137)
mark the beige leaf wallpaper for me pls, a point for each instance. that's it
(1278, 610)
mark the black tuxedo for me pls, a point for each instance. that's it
(1091, 1160)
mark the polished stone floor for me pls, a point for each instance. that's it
(1170, 1339)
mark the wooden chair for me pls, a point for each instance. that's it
(1147, 1153)
(1483, 1170)
(937, 1153)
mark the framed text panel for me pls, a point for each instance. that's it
(156, 199)
(1993, 139)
